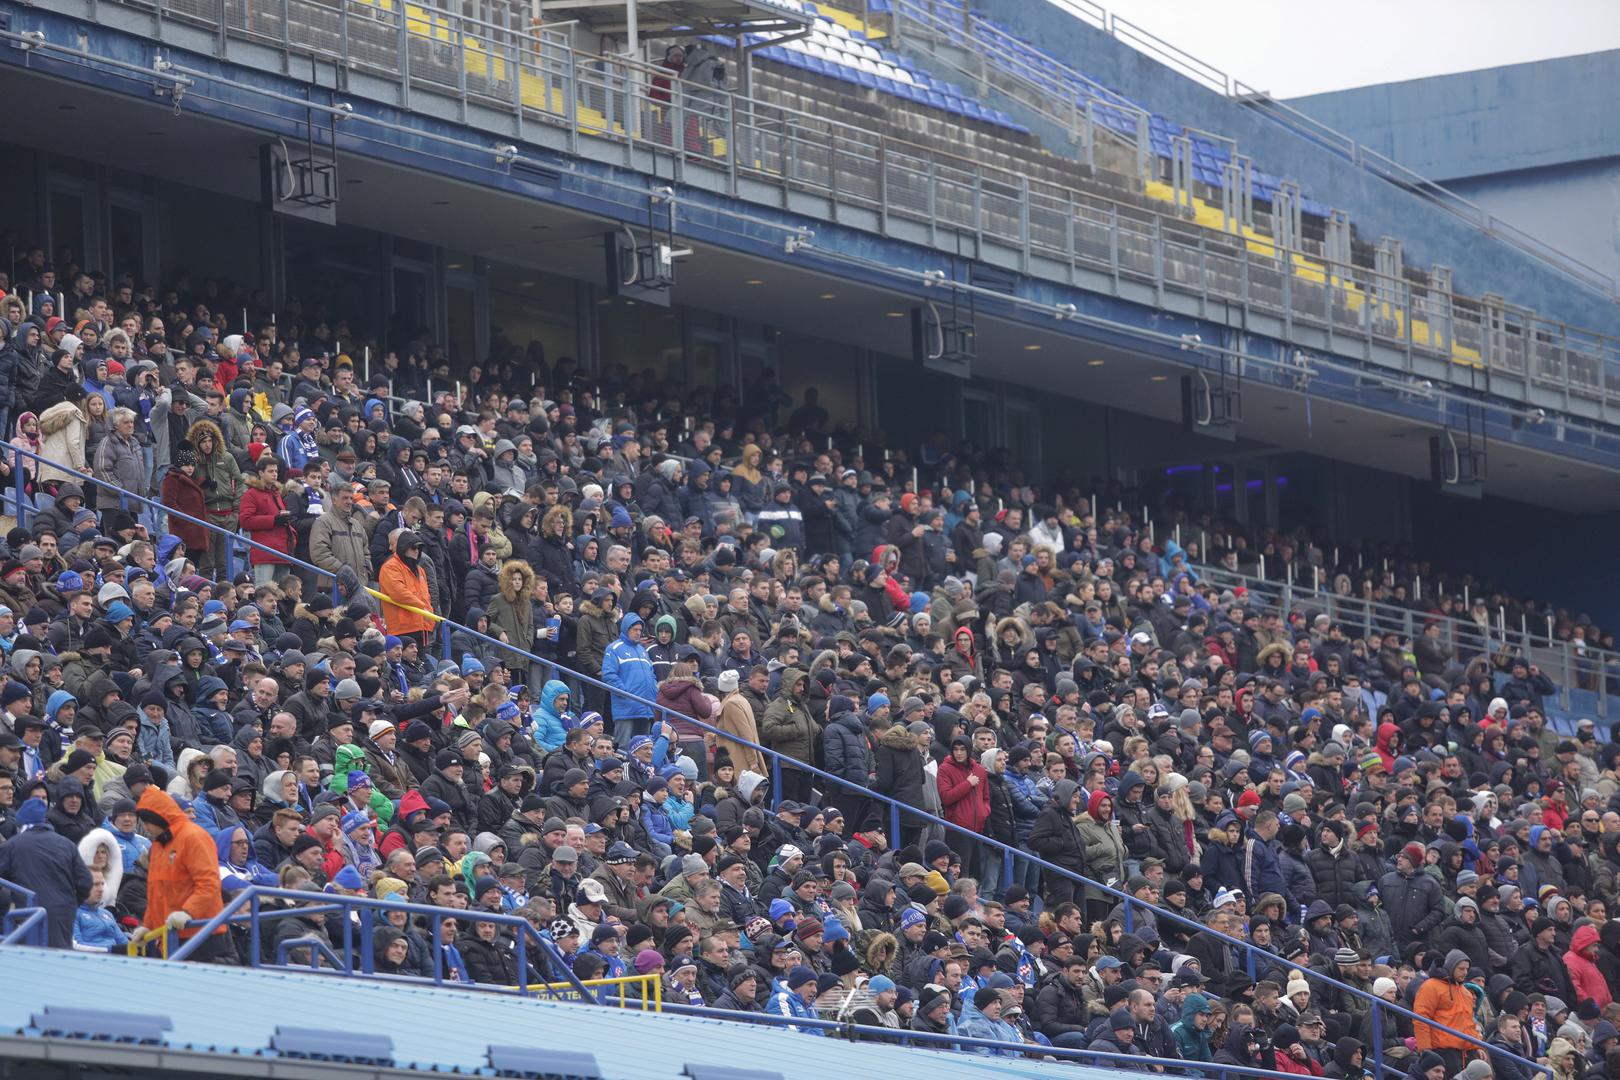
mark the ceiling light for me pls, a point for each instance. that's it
(754, 281)
(1032, 348)
(527, 284)
(895, 314)
(1095, 363)
(1157, 378)
(829, 296)
(452, 266)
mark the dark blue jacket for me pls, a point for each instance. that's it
(41, 859)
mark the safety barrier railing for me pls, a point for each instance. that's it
(25, 921)
(648, 995)
(542, 78)
(1253, 957)
(351, 952)
(1570, 667)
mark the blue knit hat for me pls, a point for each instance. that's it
(1255, 738)
(876, 701)
(118, 611)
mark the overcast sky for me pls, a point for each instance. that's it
(1294, 47)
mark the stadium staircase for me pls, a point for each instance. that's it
(1254, 960)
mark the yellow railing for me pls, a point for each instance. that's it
(651, 989)
(139, 940)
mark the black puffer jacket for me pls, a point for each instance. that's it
(1414, 904)
(1055, 836)
(1335, 875)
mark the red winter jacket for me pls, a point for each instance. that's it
(966, 804)
(1590, 985)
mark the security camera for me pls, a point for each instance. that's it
(1537, 416)
(1189, 342)
(506, 154)
(1065, 311)
(342, 110)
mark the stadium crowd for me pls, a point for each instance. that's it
(180, 718)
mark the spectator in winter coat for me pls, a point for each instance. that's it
(41, 859)
(1056, 839)
(846, 748)
(1581, 963)
(1445, 1000)
(1412, 898)
(627, 669)
(964, 796)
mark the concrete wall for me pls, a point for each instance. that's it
(1481, 264)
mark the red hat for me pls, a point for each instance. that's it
(907, 501)
(1414, 853)
(1249, 798)
(1369, 827)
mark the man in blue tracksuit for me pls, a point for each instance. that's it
(628, 670)
(796, 996)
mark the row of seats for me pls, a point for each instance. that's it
(835, 51)
(1113, 110)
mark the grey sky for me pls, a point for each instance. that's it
(1294, 47)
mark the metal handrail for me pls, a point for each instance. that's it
(24, 924)
(1545, 650)
(252, 899)
(959, 194)
(895, 808)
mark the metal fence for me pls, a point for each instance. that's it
(1053, 229)
(1573, 668)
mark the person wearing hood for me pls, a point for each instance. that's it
(1445, 1000)
(1349, 1061)
(1058, 840)
(789, 729)
(182, 882)
(627, 669)
(408, 599)
(213, 722)
(41, 859)
(1581, 964)
(238, 864)
(511, 612)
(72, 813)
(1192, 1030)
(846, 746)
(95, 927)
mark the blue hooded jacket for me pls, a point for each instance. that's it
(550, 730)
(215, 723)
(234, 876)
(626, 667)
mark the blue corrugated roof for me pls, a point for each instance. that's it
(236, 1010)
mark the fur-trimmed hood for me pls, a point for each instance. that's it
(198, 429)
(526, 579)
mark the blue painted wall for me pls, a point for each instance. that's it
(1480, 263)
(1521, 116)
(1515, 140)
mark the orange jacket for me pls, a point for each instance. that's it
(183, 873)
(399, 582)
(1445, 1002)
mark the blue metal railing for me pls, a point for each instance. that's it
(1253, 955)
(353, 955)
(25, 923)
